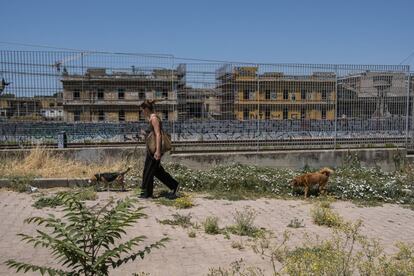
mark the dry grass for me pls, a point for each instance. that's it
(41, 162)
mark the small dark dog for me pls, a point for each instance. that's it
(110, 177)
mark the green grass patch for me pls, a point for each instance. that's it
(178, 220)
(325, 216)
(53, 201)
(185, 201)
(351, 181)
(211, 226)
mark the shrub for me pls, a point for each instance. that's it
(237, 245)
(192, 233)
(81, 194)
(234, 181)
(350, 181)
(236, 268)
(325, 216)
(52, 202)
(20, 183)
(183, 202)
(244, 223)
(85, 242)
(211, 226)
(296, 223)
(181, 220)
(347, 252)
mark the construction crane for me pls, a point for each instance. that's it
(3, 85)
(58, 64)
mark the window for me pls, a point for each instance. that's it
(303, 113)
(246, 94)
(101, 115)
(76, 115)
(303, 94)
(273, 95)
(323, 113)
(158, 94)
(121, 116)
(76, 95)
(51, 105)
(324, 93)
(293, 96)
(267, 114)
(140, 117)
(101, 95)
(268, 92)
(165, 94)
(121, 94)
(285, 113)
(141, 94)
(246, 115)
(286, 94)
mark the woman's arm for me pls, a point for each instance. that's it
(157, 130)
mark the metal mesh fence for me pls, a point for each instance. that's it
(94, 96)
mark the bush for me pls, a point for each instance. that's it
(346, 253)
(238, 268)
(234, 181)
(183, 202)
(296, 223)
(237, 245)
(181, 220)
(191, 233)
(85, 242)
(244, 223)
(81, 194)
(350, 181)
(52, 202)
(20, 183)
(325, 216)
(211, 226)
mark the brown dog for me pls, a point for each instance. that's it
(309, 179)
(110, 177)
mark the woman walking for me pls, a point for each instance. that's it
(152, 165)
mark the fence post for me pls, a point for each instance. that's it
(62, 140)
(175, 95)
(407, 119)
(258, 109)
(336, 107)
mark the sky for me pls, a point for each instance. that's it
(296, 31)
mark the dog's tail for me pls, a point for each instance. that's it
(326, 171)
(127, 170)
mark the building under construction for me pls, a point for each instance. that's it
(247, 94)
(102, 96)
(37, 108)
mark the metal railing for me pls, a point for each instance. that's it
(94, 98)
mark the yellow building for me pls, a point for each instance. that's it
(115, 96)
(248, 94)
(35, 108)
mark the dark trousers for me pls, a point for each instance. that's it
(153, 168)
